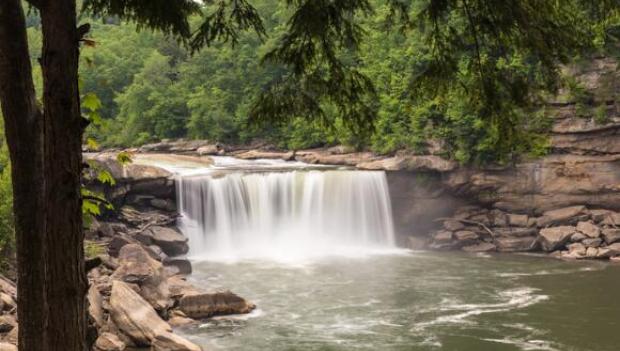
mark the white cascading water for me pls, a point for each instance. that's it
(285, 215)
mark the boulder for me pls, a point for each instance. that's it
(7, 323)
(211, 304)
(212, 149)
(453, 225)
(171, 241)
(95, 305)
(591, 252)
(173, 342)
(612, 219)
(578, 237)
(109, 342)
(442, 236)
(589, 229)
(465, 236)
(5, 346)
(134, 316)
(177, 265)
(599, 215)
(179, 287)
(560, 216)
(7, 301)
(480, 247)
(138, 267)
(517, 220)
(592, 242)
(554, 238)
(611, 235)
(163, 204)
(614, 249)
(577, 249)
(515, 231)
(515, 244)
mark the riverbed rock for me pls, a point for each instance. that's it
(577, 249)
(611, 235)
(466, 236)
(515, 231)
(177, 265)
(480, 247)
(109, 342)
(173, 342)
(577, 237)
(442, 236)
(163, 204)
(134, 316)
(517, 220)
(554, 238)
(614, 249)
(560, 216)
(589, 229)
(410, 163)
(599, 215)
(612, 219)
(453, 225)
(171, 241)
(138, 267)
(592, 242)
(211, 304)
(515, 244)
(179, 287)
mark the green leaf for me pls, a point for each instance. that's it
(91, 101)
(105, 177)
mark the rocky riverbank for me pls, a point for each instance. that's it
(136, 270)
(568, 233)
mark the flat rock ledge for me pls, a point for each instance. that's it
(574, 232)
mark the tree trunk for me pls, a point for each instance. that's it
(23, 128)
(67, 284)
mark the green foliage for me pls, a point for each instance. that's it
(381, 74)
(7, 224)
(93, 249)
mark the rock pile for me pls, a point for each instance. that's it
(572, 232)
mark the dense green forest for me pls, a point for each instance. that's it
(152, 88)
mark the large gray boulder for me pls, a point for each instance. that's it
(134, 316)
(554, 238)
(211, 304)
(138, 267)
(589, 229)
(611, 235)
(171, 241)
(560, 216)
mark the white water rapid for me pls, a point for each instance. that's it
(285, 215)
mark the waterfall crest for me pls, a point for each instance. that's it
(285, 214)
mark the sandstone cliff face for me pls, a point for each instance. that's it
(584, 165)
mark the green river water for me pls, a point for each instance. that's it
(416, 301)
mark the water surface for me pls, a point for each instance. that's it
(416, 301)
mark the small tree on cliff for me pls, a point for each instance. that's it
(45, 139)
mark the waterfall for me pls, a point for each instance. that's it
(285, 214)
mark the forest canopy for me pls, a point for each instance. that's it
(433, 77)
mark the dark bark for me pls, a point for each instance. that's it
(67, 284)
(23, 128)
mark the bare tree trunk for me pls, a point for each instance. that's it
(67, 284)
(23, 128)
